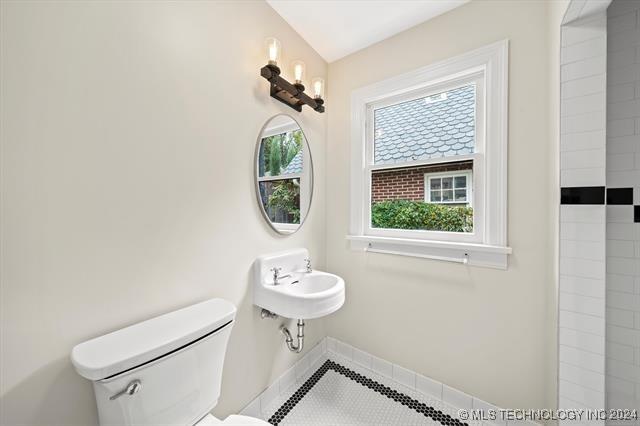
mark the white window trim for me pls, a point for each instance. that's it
(469, 188)
(491, 249)
(280, 177)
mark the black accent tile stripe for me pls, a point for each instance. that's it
(398, 397)
(620, 196)
(636, 214)
(582, 195)
(281, 412)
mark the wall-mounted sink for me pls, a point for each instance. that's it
(298, 293)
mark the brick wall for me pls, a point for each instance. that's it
(407, 183)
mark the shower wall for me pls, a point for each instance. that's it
(623, 189)
(581, 340)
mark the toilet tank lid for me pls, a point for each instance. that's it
(137, 344)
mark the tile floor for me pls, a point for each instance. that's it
(336, 391)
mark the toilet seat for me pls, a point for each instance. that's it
(233, 420)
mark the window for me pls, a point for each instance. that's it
(428, 172)
(448, 188)
(414, 135)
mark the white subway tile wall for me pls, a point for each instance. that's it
(583, 163)
(623, 236)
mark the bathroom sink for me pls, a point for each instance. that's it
(312, 284)
(298, 294)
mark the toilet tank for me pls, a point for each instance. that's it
(163, 371)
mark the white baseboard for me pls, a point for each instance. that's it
(330, 348)
(290, 377)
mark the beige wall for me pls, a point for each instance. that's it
(128, 134)
(483, 331)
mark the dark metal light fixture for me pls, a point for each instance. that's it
(290, 94)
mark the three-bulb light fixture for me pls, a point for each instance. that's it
(292, 95)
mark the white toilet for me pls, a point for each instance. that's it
(163, 371)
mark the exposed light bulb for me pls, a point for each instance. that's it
(318, 87)
(298, 71)
(273, 53)
(273, 50)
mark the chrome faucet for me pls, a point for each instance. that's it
(277, 276)
(308, 264)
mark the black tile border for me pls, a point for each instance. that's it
(582, 195)
(620, 196)
(636, 214)
(595, 195)
(399, 397)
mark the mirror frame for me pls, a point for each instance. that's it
(256, 172)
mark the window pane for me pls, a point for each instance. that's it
(447, 183)
(281, 154)
(281, 200)
(461, 181)
(440, 125)
(408, 198)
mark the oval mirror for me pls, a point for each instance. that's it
(284, 174)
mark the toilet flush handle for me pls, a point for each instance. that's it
(131, 388)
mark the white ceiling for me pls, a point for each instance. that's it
(336, 28)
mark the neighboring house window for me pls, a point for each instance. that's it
(429, 160)
(449, 188)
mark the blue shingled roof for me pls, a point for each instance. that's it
(426, 128)
(294, 166)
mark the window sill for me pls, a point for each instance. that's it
(482, 255)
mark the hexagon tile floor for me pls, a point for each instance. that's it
(335, 394)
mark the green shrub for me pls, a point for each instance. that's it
(286, 196)
(403, 214)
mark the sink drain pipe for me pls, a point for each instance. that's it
(289, 339)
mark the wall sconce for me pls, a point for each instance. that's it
(292, 95)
